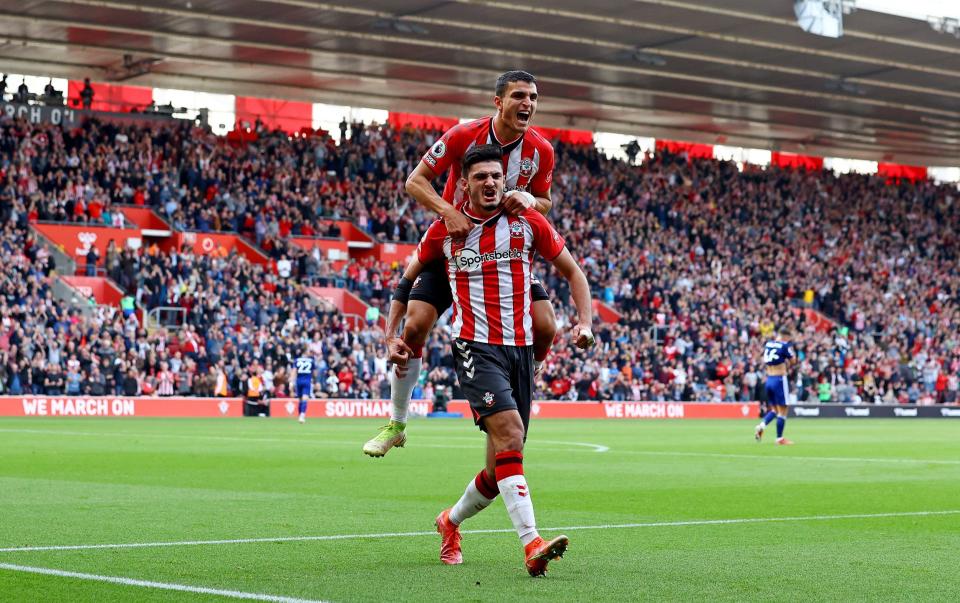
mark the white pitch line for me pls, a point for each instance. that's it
(323, 442)
(849, 459)
(611, 526)
(595, 447)
(201, 590)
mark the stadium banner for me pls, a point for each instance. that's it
(215, 243)
(334, 250)
(289, 116)
(874, 411)
(118, 406)
(42, 114)
(99, 288)
(396, 252)
(145, 219)
(541, 409)
(76, 239)
(117, 98)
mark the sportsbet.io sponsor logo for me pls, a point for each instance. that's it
(469, 259)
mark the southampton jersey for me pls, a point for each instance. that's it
(489, 274)
(527, 161)
(776, 352)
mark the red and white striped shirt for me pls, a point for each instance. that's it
(489, 274)
(527, 161)
(165, 383)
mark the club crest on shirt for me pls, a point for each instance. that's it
(526, 168)
(488, 399)
(516, 230)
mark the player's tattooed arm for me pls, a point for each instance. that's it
(580, 292)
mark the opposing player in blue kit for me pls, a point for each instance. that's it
(304, 366)
(778, 356)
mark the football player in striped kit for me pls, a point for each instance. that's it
(489, 272)
(527, 160)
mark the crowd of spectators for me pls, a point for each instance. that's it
(240, 321)
(704, 261)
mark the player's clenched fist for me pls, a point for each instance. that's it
(458, 225)
(398, 353)
(516, 202)
(583, 337)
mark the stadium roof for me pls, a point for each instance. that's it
(737, 72)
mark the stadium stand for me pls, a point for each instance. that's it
(683, 248)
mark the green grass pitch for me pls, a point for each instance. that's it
(871, 511)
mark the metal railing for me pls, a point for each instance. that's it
(82, 270)
(165, 316)
(127, 224)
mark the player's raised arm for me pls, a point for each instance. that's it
(419, 187)
(580, 292)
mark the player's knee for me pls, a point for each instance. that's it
(419, 320)
(509, 438)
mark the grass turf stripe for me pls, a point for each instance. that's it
(611, 526)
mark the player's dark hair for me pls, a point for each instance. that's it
(480, 153)
(513, 76)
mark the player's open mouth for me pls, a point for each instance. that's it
(523, 116)
(490, 194)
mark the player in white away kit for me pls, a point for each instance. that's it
(490, 276)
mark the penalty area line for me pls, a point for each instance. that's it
(201, 590)
(611, 526)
